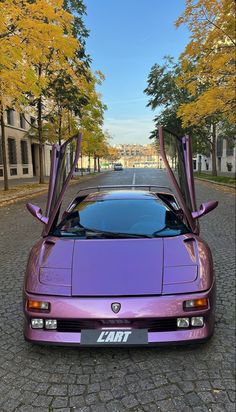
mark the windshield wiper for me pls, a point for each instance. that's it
(106, 234)
(72, 233)
(115, 235)
(156, 233)
(87, 232)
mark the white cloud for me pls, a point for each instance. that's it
(133, 130)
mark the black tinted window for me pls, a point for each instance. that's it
(144, 217)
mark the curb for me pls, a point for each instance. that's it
(20, 197)
(215, 183)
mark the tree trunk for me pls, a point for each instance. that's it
(3, 144)
(89, 163)
(81, 156)
(40, 136)
(69, 133)
(94, 164)
(213, 150)
(99, 168)
(199, 168)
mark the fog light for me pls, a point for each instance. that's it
(182, 322)
(37, 323)
(37, 305)
(50, 324)
(196, 304)
(197, 321)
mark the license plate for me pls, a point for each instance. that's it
(114, 337)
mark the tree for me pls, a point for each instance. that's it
(70, 91)
(207, 65)
(50, 53)
(15, 73)
(113, 154)
(91, 120)
(66, 95)
(167, 95)
(38, 40)
(207, 62)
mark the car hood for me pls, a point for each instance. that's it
(119, 267)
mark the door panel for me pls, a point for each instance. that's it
(53, 171)
(176, 153)
(63, 163)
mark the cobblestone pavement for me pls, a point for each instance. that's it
(195, 378)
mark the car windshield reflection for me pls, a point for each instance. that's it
(121, 218)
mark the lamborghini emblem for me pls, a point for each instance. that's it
(115, 307)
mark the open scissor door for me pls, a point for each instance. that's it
(64, 159)
(176, 153)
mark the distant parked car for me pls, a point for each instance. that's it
(118, 166)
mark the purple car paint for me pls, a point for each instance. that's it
(129, 289)
(205, 208)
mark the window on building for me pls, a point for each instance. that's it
(230, 143)
(24, 152)
(32, 120)
(219, 147)
(13, 172)
(22, 121)
(10, 117)
(12, 151)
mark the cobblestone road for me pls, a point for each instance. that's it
(45, 379)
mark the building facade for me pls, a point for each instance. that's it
(225, 158)
(22, 148)
(135, 155)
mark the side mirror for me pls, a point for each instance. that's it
(36, 211)
(205, 208)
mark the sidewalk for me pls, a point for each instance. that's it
(26, 188)
(20, 182)
(21, 191)
(28, 181)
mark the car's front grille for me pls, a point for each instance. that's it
(152, 324)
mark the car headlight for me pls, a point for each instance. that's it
(50, 323)
(37, 323)
(38, 305)
(196, 304)
(182, 322)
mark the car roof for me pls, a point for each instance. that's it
(121, 194)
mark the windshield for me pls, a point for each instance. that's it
(121, 218)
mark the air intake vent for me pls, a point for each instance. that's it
(153, 325)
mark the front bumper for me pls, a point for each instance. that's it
(74, 308)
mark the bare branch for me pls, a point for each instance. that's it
(217, 27)
(27, 121)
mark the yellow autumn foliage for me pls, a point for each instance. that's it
(208, 61)
(32, 35)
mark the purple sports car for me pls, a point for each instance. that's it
(121, 265)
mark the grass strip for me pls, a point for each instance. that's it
(221, 179)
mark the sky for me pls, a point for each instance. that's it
(127, 37)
